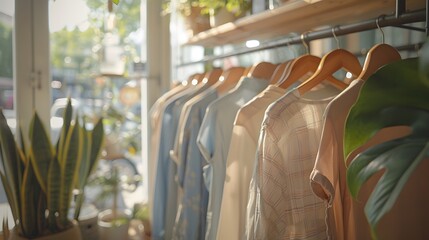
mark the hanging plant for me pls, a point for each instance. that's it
(396, 95)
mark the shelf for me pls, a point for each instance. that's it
(298, 16)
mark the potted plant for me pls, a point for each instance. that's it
(113, 223)
(141, 215)
(195, 22)
(224, 11)
(39, 179)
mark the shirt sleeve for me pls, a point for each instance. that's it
(323, 174)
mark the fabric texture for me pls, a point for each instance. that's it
(191, 217)
(240, 163)
(214, 139)
(166, 187)
(291, 130)
(155, 118)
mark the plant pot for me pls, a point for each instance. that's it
(88, 219)
(72, 233)
(108, 229)
(221, 17)
(195, 22)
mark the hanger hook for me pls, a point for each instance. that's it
(335, 37)
(379, 28)
(303, 36)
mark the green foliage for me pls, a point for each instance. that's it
(141, 212)
(184, 6)
(234, 6)
(6, 55)
(396, 95)
(39, 183)
(76, 53)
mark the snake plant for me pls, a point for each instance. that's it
(396, 95)
(39, 179)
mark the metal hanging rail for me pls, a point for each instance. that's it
(383, 21)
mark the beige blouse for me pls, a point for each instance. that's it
(240, 163)
(291, 131)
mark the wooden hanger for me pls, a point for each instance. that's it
(279, 72)
(330, 63)
(301, 66)
(196, 79)
(188, 81)
(246, 71)
(230, 78)
(378, 56)
(212, 76)
(262, 70)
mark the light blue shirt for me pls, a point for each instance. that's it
(192, 216)
(213, 141)
(166, 187)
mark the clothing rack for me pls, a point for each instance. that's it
(382, 21)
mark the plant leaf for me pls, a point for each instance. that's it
(69, 169)
(11, 167)
(85, 161)
(396, 95)
(53, 194)
(93, 141)
(67, 117)
(13, 205)
(41, 152)
(97, 142)
(29, 197)
(398, 84)
(83, 169)
(115, 2)
(424, 60)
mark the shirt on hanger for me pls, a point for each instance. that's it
(240, 163)
(347, 219)
(165, 190)
(155, 114)
(181, 140)
(288, 145)
(191, 220)
(214, 138)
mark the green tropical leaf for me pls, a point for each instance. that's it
(83, 169)
(85, 163)
(396, 95)
(424, 60)
(97, 142)
(115, 2)
(53, 194)
(69, 169)
(67, 118)
(11, 167)
(398, 84)
(13, 205)
(23, 145)
(93, 142)
(42, 151)
(29, 197)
